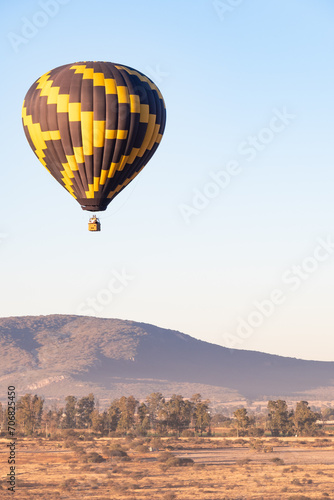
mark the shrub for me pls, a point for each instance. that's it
(117, 453)
(295, 481)
(173, 462)
(178, 462)
(164, 456)
(142, 448)
(277, 461)
(156, 443)
(256, 445)
(186, 461)
(95, 458)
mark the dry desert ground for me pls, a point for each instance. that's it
(215, 469)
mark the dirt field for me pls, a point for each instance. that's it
(291, 456)
(222, 470)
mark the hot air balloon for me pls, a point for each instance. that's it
(94, 126)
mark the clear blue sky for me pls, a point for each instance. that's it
(249, 96)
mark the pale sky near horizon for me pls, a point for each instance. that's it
(227, 233)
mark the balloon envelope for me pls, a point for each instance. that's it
(94, 126)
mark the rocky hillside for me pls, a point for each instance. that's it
(59, 355)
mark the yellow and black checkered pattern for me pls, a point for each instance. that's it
(94, 126)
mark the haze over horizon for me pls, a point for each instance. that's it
(227, 234)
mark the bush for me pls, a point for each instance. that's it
(277, 461)
(164, 456)
(156, 443)
(142, 448)
(186, 461)
(256, 445)
(117, 453)
(173, 462)
(95, 458)
(178, 462)
(295, 481)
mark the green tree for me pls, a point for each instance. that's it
(219, 419)
(52, 420)
(196, 398)
(113, 415)
(29, 413)
(279, 418)
(201, 415)
(70, 412)
(99, 421)
(327, 413)
(155, 405)
(85, 407)
(304, 420)
(242, 420)
(143, 418)
(178, 413)
(127, 407)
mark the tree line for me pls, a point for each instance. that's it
(160, 416)
(156, 414)
(281, 421)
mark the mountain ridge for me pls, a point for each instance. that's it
(102, 355)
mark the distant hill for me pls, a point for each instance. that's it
(58, 355)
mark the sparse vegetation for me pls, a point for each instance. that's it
(204, 468)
